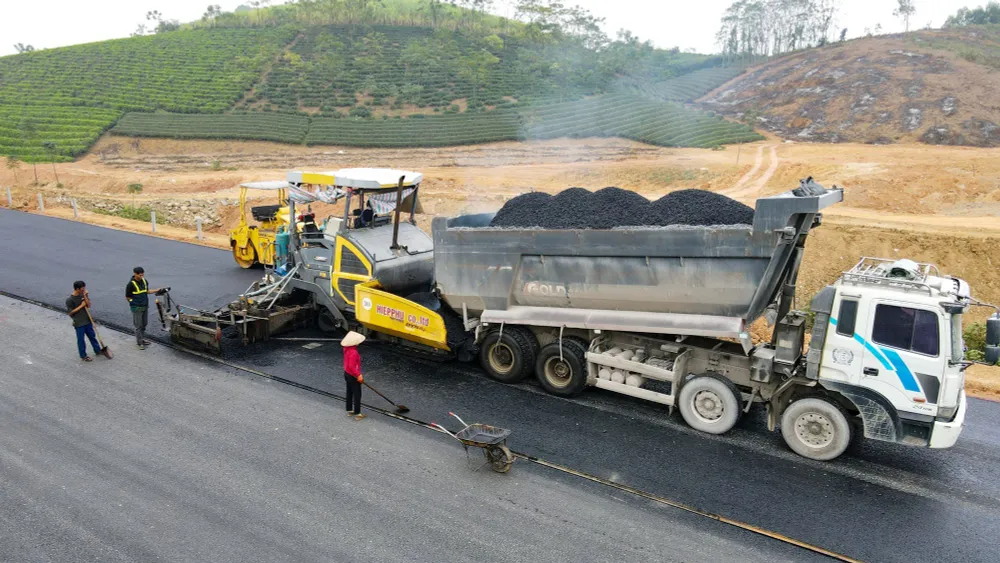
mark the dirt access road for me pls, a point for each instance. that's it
(932, 204)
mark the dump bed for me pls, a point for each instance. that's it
(681, 279)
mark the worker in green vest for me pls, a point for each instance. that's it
(137, 294)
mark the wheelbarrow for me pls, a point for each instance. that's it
(491, 439)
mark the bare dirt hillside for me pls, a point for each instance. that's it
(935, 86)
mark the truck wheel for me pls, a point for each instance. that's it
(567, 376)
(710, 403)
(816, 428)
(508, 357)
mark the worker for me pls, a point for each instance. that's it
(352, 373)
(76, 308)
(137, 294)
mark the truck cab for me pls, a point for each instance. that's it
(889, 336)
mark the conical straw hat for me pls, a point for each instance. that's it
(352, 339)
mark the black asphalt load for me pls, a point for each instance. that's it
(878, 502)
(611, 207)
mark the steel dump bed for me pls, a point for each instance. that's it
(710, 281)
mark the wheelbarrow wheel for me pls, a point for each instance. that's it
(500, 458)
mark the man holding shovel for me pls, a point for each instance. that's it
(76, 306)
(137, 294)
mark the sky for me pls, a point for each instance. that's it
(667, 23)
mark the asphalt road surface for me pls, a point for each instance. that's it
(878, 502)
(158, 455)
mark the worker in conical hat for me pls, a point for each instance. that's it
(352, 373)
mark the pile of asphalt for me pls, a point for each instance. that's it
(611, 207)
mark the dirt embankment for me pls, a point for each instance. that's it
(925, 86)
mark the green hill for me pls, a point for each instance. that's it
(355, 85)
(70, 96)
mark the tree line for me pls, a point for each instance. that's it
(762, 28)
(983, 15)
(753, 29)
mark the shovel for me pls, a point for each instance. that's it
(399, 408)
(104, 349)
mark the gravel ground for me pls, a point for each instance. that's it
(611, 207)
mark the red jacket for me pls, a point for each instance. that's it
(352, 361)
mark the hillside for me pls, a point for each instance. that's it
(938, 87)
(69, 96)
(354, 85)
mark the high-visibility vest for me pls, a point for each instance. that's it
(145, 286)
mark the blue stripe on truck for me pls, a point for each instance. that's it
(890, 360)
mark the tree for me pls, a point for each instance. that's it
(983, 15)
(166, 26)
(28, 129)
(905, 10)
(434, 8)
(50, 147)
(843, 34)
(134, 189)
(211, 14)
(139, 31)
(13, 164)
(22, 48)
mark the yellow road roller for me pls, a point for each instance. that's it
(254, 244)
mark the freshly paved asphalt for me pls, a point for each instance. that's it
(159, 456)
(878, 502)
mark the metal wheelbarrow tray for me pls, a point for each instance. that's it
(492, 440)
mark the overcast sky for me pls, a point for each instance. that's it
(668, 23)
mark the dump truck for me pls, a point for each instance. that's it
(661, 314)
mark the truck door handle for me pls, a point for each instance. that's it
(870, 371)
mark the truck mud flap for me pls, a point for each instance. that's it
(880, 419)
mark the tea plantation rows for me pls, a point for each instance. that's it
(331, 69)
(349, 85)
(614, 115)
(259, 127)
(693, 85)
(69, 96)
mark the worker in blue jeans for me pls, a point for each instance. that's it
(76, 307)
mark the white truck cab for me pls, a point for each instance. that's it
(889, 334)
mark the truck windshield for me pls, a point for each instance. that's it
(957, 342)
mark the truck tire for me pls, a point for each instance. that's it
(710, 403)
(816, 428)
(509, 357)
(565, 377)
